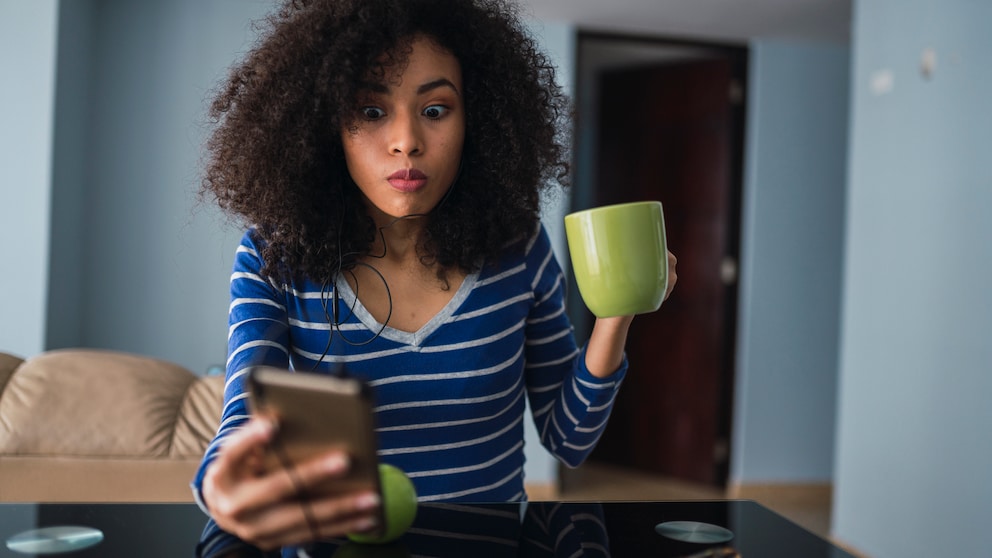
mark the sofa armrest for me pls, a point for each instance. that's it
(8, 364)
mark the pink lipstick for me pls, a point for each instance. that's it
(407, 180)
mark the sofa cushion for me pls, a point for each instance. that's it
(95, 403)
(199, 417)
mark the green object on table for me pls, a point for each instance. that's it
(399, 501)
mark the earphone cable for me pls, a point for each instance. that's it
(333, 317)
(301, 492)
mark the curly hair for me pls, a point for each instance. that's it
(275, 158)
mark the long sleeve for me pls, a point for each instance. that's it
(570, 405)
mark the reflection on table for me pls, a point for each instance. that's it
(533, 530)
(528, 530)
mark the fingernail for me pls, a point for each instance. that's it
(366, 524)
(367, 501)
(263, 425)
(336, 463)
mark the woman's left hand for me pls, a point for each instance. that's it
(672, 276)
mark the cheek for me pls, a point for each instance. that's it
(454, 145)
(356, 157)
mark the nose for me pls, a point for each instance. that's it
(406, 135)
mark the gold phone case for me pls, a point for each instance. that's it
(315, 413)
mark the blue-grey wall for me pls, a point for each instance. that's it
(914, 450)
(138, 264)
(790, 269)
(27, 59)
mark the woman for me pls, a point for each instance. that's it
(389, 157)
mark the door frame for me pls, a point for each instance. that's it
(595, 51)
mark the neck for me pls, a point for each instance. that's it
(398, 238)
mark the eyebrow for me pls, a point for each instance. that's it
(376, 87)
(440, 82)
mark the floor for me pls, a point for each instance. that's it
(597, 481)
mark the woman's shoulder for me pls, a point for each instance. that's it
(250, 259)
(537, 247)
(537, 241)
(252, 238)
(540, 240)
(523, 254)
(249, 254)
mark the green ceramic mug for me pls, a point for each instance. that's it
(619, 257)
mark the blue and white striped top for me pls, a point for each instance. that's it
(450, 396)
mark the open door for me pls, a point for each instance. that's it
(674, 132)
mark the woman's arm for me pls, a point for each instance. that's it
(604, 352)
(570, 405)
(571, 392)
(266, 508)
(258, 334)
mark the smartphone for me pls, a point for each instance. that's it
(315, 413)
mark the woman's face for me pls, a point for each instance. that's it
(404, 147)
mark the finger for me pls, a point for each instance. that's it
(232, 499)
(673, 277)
(304, 521)
(236, 461)
(227, 481)
(322, 514)
(242, 446)
(355, 513)
(293, 482)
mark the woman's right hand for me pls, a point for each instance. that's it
(264, 508)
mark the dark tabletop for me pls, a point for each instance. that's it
(701, 529)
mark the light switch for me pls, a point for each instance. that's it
(928, 63)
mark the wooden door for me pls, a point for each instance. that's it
(672, 133)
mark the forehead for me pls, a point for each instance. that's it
(414, 62)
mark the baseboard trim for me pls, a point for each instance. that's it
(541, 492)
(819, 493)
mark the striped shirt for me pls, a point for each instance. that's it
(450, 397)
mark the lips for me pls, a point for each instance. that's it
(407, 180)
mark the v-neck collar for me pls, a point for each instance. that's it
(414, 338)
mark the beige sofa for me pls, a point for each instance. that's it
(102, 426)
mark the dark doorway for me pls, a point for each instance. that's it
(667, 124)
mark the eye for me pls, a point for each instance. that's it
(435, 112)
(372, 113)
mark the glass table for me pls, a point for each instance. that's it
(697, 529)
